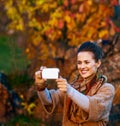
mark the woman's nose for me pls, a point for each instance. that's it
(82, 65)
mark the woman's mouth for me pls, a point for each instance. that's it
(84, 71)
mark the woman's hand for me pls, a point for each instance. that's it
(62, 84)
(39, 81)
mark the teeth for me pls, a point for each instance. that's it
(84, 71)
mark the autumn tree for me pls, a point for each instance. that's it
(54, 29)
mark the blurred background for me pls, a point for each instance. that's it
(34, 33)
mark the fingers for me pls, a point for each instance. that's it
(62, 84)
(38, 76)
(37, 73)
(42, 67)
(39, 82)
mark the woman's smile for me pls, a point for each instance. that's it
(84, 71)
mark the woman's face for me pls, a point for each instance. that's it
(86, 64)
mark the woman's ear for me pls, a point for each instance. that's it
(98, 63)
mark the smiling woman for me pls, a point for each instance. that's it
(88, 99)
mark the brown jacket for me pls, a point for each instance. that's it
(100, 99)
(100, 105)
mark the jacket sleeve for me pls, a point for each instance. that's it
(50, 99)
(83, 101)
(100, 103)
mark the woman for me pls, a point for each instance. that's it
(88, 100)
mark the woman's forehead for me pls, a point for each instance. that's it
(85, 55)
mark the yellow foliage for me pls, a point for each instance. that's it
(67, 18)
(37, 40)
(58, 13)
(80, 18)
(20, 25)
(71, 25)
(16, 25)
(89, 2)
(53, 22)
(39, 2)
(13, 14)
(53, 5)
(103, 24)
(103, 33)
(35, 24)
(8, 4)
(45, 8)
(45, 20)
(75, 41)
(54, 35)
(28, 107)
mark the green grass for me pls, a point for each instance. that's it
(11, 56)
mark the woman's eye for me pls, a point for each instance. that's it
(78, 62)
(87, 62)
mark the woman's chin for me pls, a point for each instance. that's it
(84, 76)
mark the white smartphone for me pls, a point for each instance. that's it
(50, 73)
